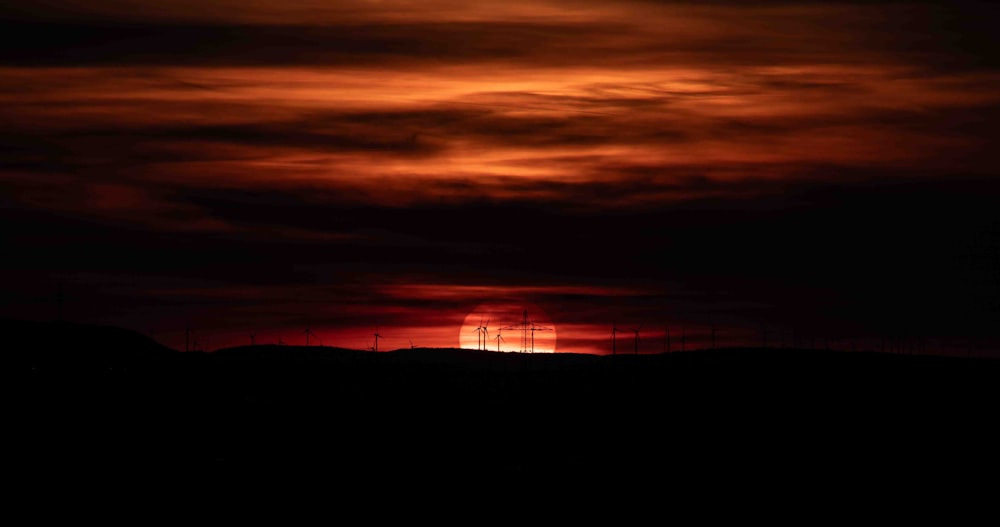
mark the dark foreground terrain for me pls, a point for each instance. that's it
(112, 402)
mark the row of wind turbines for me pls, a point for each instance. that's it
(526, 326)
(666, 338)
(309, 333)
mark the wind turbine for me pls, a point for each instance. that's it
(308, 332)
(614, 345)
(486, 333)
(411, 343)
(377, 336)
(636, 331)
(499, 339)
(479, 334)
(252, 336)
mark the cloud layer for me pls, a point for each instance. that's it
(783, 164)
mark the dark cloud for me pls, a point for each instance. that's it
(823, 169)
(876, 237)
(869, 258)
(956, 35)
(61, 44)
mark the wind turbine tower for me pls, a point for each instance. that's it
(479, 334)
(309, 333)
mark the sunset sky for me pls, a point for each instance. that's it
(795, 171)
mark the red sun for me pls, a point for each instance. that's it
(508, 327)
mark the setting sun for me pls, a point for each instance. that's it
(508, 327)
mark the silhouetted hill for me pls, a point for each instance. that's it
(275, 352)
(453, 359)
(465, 415)
(66, 346)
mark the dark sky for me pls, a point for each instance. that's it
(796, 171)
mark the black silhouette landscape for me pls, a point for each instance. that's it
(103, 398)
(263, 243)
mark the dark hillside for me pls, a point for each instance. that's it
(412, 414)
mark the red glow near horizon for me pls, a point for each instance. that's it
(320, 164)
(520, 326)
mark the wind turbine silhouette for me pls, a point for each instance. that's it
(499, 339)
(636, 331)
(377, 336)
(309, 332)
(411, 343)
(252, 335)
(486, 333)
(479, 334)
